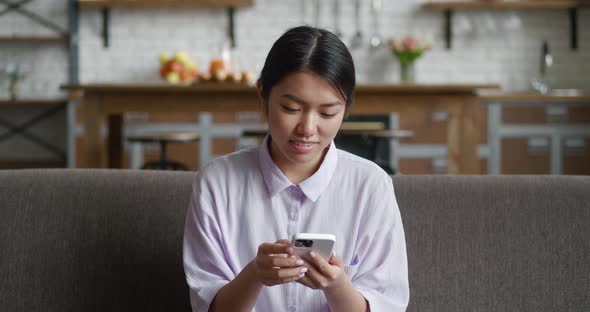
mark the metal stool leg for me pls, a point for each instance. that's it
(163, 160)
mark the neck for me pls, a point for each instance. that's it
(295, 172)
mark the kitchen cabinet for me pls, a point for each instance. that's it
(538, 133)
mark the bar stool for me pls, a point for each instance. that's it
(163, 139)
(371, 133)
(373, 139)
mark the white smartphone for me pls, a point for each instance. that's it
(322, 244)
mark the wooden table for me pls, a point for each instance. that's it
(112, 101)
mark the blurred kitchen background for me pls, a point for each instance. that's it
(543, 44)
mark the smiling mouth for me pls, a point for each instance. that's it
(303, 144)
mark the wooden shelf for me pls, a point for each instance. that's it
(40, 102)
(504, 5)
(163, 3)
(449, 6)
(106, 5)
(33, 39)
(208, 89)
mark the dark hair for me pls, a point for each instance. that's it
(313, 49)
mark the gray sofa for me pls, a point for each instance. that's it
(102, 240)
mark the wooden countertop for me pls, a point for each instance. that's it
(113, 100)
(240, 88)
(555, 96)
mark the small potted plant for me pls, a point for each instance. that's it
(14, 75)
(407, 50)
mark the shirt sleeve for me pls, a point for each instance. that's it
(205, 265)
(381, 275)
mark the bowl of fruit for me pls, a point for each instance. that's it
(178, 69)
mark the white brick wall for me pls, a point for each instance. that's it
(481, 54)
(504, 55)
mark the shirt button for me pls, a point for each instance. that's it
(293, 216)
(292, 308)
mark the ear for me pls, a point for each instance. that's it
(261, 100)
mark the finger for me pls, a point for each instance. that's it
(337, 261)
(292, 279)
(321, 264)
(306, 281)
(281, 274)
(272, 248)
(284, 280)
(283, 242)
(287, 243)
(283, 262)
(315, 275)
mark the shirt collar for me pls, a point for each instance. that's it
(312, 187)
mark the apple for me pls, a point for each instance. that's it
(164, 59)
(182, 57)
(173, 77)
(191, 65)
(164, 70)
(176, 66)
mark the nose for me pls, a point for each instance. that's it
(307, 125)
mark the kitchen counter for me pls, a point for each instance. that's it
(112, 100)
(559, 95)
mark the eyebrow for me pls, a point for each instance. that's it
(302, 102)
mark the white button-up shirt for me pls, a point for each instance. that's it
(242, 200)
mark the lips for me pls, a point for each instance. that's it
(302, 146)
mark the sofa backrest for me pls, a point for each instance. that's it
(92, 240)
(497, 243)
(105, 240)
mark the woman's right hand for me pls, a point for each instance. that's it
(273, 264)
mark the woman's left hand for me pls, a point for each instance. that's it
(322, 274)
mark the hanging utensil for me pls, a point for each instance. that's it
(376, 40)
(303, 11)
(317, 13)
(337, 30)
(357, 38)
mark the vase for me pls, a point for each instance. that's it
(13, 89)
(407, 73)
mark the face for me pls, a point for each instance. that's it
(304, 115)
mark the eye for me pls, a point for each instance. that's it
(325, 115)
(288, 109)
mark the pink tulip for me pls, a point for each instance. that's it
(410, 43)
(396, 44)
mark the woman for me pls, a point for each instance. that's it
(246, 205)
